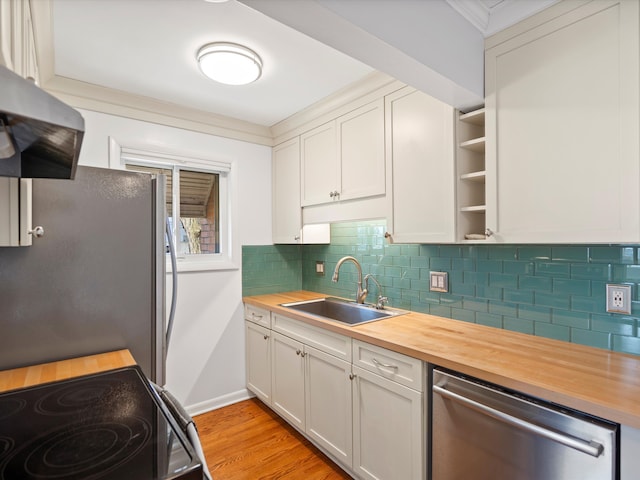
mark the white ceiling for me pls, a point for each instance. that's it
(148, 47)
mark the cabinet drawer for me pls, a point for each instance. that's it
(257, 315)
(324, 340)
(400, 368)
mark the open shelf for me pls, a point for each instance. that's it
(474, 209)
(476, 117)
(475, 145)
(474, 176)
(471, 174)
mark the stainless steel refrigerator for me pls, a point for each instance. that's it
(95, 281)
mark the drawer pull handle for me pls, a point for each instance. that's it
(384, 365)
(254, 316)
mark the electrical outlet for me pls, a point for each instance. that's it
(439, 282)
(320, 268)
(619, 298)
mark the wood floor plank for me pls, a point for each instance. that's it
(247, 441)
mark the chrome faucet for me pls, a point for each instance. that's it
(381, 298)
(360, 293)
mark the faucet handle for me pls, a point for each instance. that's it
(381, 302)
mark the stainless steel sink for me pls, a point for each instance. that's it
(342, 311)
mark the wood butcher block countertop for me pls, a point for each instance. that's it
(64, 369)
(596, 381)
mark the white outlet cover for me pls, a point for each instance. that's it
(619, 299)
(438, 282)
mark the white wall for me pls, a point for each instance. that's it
(205, 365)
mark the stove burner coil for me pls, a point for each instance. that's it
(73, 399)
(10, 406)
(84, 451)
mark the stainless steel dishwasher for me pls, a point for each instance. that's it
(482, 432)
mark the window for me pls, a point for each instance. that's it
(197, 203)
(198, 228)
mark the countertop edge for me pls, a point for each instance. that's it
(596, 381)
(63, 369)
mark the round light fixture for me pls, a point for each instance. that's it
(229, 63)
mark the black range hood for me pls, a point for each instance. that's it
(40, 136)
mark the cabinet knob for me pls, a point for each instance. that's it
(488, 232)
(351, 376)
(298, 352)
(37, 231)
(303, 354)
(331, 194)
(296, 238)
(266, 337)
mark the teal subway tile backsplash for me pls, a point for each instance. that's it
(271, 269)
(554, 291)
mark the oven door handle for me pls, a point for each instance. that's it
(590, 448)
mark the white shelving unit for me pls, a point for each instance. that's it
(470, 174)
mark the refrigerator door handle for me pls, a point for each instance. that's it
(590, 448)
(174, 282)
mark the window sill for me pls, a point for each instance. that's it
(203, 265)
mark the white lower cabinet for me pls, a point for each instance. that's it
(387, 429)
(258, 341)
(288, 379)
(389, 440)
(328, 403)
(312, 384)
(362, 405)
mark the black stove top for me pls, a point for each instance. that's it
(104, 426)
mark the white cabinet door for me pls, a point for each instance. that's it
(388, 439)
(287, 212)
(562, 122)
(361, 144)
(344, 159)
(288, 379)
(328, 403)
(17, 42)
(258, 360)
(319, 159)
(420, 156)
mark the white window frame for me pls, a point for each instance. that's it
(228, 257)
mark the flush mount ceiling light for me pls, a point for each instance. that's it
(229, 63)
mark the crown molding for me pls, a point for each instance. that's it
(370, 88)
(106, 100)
(504, 14)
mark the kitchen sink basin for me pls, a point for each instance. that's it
(342, 311)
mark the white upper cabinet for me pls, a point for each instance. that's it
(420, 168)
(344, 159)
(361, 143)
(562, 123)
(320, 174)
(287, 210)
(287, 213)
(17, 42)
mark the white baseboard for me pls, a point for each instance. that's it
(219, 402)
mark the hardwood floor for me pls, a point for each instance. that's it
(247, 441)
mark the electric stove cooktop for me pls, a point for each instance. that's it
(110, 425)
